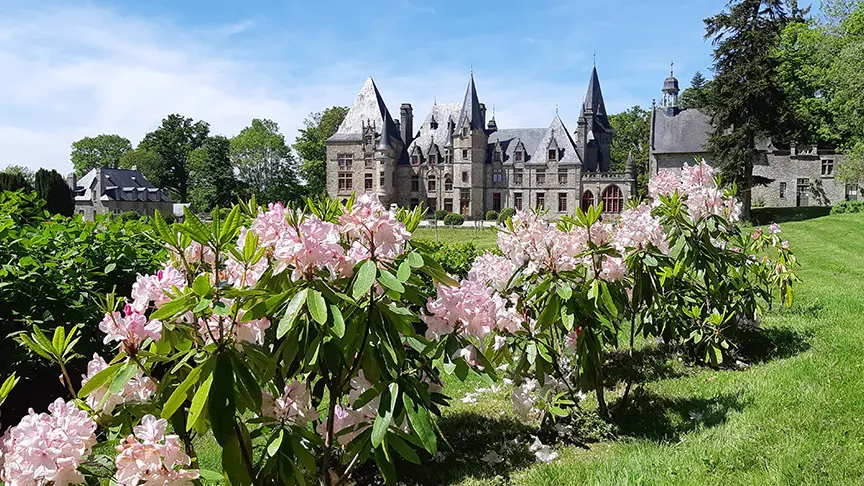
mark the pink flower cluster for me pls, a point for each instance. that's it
(541, 245)
(698, 184)
(638, 229)
(270, 225)
(295, 404)
(473, 309)
(250, 331)
(150, 457)
(131, 328)
(44, 448)
(493, 270)
(312, 246)
(156, 288)
(348, 421)
(373, 230)
(138, 389)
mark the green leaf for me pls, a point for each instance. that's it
(338, 321)
(388, 280)
(415, 260)
(364, 279)
(233, 463)
(99, 380)
(194, 228)
(403, 449)
(201, 285)
(179, 396)
(198, 402)
(564, 291)
(275, 444)
(291, 312)
(110, 267)
(317, 306)
(220, 405)
(172, 308)
(419, 418)
(58, 340)
(122, 378)
(201, 305)
(249, 383)
(382, 421)
(387, 469)
(209, 475)
(36, 348)
(404, 272)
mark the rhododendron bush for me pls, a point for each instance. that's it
(292, 337)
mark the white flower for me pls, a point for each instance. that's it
(543, 452)
(492, 458)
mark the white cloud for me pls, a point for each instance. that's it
(70, 72)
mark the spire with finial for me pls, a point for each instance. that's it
(384, 143)
(670, 91)
(630, 165)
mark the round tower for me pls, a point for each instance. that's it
(386, 162)
(670, 93)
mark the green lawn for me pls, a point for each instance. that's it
(483, 238)
(795, 415)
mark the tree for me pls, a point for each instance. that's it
(310, 147)
(140, 157)
(172, 142)
(16, 177)
(632, 132)
(746, 100)
(211, 175)
(51, 187)
(696, 95)
(98, 152)
(264, 163)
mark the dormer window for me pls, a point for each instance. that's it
(464, 131)
(415, 160)
(553, 154)
(496, 155)
(517, 156)
(368, 140)
(433, 159)
(433, 124)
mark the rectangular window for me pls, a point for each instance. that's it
(415, 183)
(432, 203)
(541, 200)
(782, 190)
(448, 204)
(346, 181)
(464, 154)
(851, 192)
(517, 177)
(496, 156)
(413, 202)
(517, 200)
(464, 194)
(368, 161)
(345, 161)
(553, 154)
(497, 176)
(540, 176)
(448, 156)
(517, 157)
(562, 202)
(496, 201)
(827, 167)
(381, 180)
(367, 182)
(431, 183)
(802, 192)
(433, 159)
(415, 160)
(562, 177)
(464, 176)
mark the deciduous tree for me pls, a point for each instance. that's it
(98, 152)
(310, 146)
(172, 143)
(211, 175)
(632, 131)
(264, 162)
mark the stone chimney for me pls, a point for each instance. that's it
(407, 124)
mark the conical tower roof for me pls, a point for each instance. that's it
(470, 115)
(594, 103)
(368, 106)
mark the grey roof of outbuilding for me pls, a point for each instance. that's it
(426, 134)
(368, 107)
(685, 133)
(119, 185)
(509, 138)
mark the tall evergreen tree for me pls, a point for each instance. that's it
(746, 101)
(696, 95)
(51, 187)
(14, 181)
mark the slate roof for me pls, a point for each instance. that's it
(685, 133)
(557, 132)
(442, 114)
(368, 107)
(510, 139)
(594, 100)
(118, 185)
(470, 114)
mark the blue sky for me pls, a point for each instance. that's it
(72, 69)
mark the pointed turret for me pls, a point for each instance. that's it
(630, 165)
(369, 105)
(594, 104)
(448, 143)
(471, 115)
(384, 143)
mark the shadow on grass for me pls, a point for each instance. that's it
(766, 344)
(472, 436)
(664, 419)
(763, 216)
(647, 364)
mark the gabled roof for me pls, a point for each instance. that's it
(557, 133)
(368, 107)
(118, 185)
(594, 102)
(446, 115)
(470, 115)
(684, 133)
(509, 138)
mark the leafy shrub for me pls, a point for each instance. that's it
(130, 216)
(441, 214)
(454, 219)
(847, 207)
(55, 269)
(506, 213)
(455, 258)
(491, 215)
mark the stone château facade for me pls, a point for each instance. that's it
(459, 161)
(784, 177)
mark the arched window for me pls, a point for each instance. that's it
(587, 200)
(613, 200)
(448, 183)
